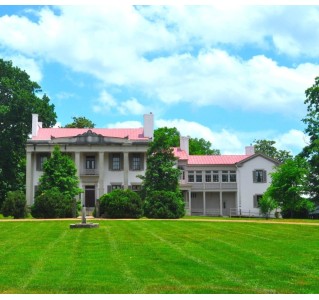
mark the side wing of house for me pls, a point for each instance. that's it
(253, 180)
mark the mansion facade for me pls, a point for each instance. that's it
(108, 159)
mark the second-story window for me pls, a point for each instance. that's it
(41, 159)
(116, 161)
(215, 176)
(225, 177)
(208, 176)
(90, 162)
(228, 176)
(232, 176)
(259, 176)
(190, 176)
(136, 163)
(199, 176)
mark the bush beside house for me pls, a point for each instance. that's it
(164, 205)
(53, 204)
(121, 204)
(15, 205)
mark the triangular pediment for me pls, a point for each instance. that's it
(88, 138)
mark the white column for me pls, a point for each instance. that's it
(29, 179)
(77, 163)
(204, 203)
(126, 170)
(101, 174)
(190, 202)
(221, 203)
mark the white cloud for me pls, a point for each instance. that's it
(170, 53)
(227, 142)
(293, 141)
(28, 65)
(126, 124)
(106, 103)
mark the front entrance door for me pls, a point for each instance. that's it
(89, 196)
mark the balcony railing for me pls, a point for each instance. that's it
(89, 172)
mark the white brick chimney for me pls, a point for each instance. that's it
(184, 143)
(249, 150)
(35, 124)
(149, 125)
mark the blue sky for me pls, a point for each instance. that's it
(228, 74)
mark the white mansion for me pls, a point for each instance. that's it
(108, 159)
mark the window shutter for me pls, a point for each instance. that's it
(109, 188)
(142, 161)
(121, 161)
(130, 161)
(110, 161)
(255, 201)
(129, 187)
(38, 162)
(264, 176)
(254, 176)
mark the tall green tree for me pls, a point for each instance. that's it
(201, 147)
(59, 171)
(80, 122)
(196, 146)
(267, 147)
(19, 98)
(160, 188)
(289, 186)
(311, 151)
(161, 173)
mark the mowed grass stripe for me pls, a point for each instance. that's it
(158, 257)
(204, 250)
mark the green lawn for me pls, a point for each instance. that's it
(146, 256)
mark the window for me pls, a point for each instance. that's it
(232, 176)
(229, 176)
(116, 162)
(259, 176)
(193, 195)
(225, 176)
(215, 176)
(199, 176)
(136, 162)
(208, 176)
(190, 176)
(90, 162)
(116, 187)
(136, 188)
(182, 174)
(256, 200)
(41, 159)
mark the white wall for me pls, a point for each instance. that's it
(247, 188)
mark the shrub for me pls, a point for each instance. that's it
(53, 204)
(164, 205)
(267, 205)
(121, 204)
(15, 205)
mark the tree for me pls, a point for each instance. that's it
(164, 205)
(80, 122)
(196, 146)
(15, 205)
(267, 205)
(201, 147)
(267, 147)
(18, 100)
(53, 204)
(121, 204)
(311, 151)
(59, 172)
(161, 173)
(289, 186)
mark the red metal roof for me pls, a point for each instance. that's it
(209, 159)
(131, 133)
